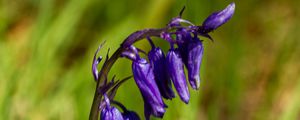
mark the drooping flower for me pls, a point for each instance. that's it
(154, 78)
(157, 60)
(109, 112)
(195, 52)
(191, 50)
(183, 37)
(144, 78)
(176, 72)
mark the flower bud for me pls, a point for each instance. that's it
(184, 37)
(176, 72)
(144, 78)
(217, 19)
(110, 112)
(195, 52)
(157, 60)
(191, 50)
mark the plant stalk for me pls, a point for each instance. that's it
(131, 39)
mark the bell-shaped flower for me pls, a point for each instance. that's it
(158, 61)
(183, 37)
(144, 78)
(191, 50)
(176, 73)
(109, 112)
(194, 56)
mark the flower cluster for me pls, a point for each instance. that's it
(154, 76)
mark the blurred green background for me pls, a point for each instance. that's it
(250, 72)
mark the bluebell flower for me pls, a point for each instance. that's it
(144, 78)
(109, 112)
(183, 37)
(194, 59)
(176, 72)
(157, 60)
(154, 78)
(191, 50)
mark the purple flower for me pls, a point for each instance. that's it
(176, 72)
(109, 112)
(191, 50)
(217, 19)
(183, 37)
(144, 78)
(195, 52)
(154, 78)
(158, 62)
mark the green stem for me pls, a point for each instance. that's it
(134, 37)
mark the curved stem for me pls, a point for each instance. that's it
(151, 42)
(134, 37)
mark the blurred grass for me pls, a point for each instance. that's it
(250, 72)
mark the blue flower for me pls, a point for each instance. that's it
(176, 72)
(144, 78)
(158, 62)
(109, 112)
(194, 59)
(154, 78)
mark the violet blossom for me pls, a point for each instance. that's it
(155, 74)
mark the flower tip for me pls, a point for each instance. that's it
(232, 4)
(195, 82)
(185, 97)
(181, 12)
(217, 19)
(231, 8)
(186, 100)
(228, 11)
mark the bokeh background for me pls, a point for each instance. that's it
(250, 72)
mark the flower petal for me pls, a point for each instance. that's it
(157, 60)
(195, 52)
(144, 78)
(176, 72)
